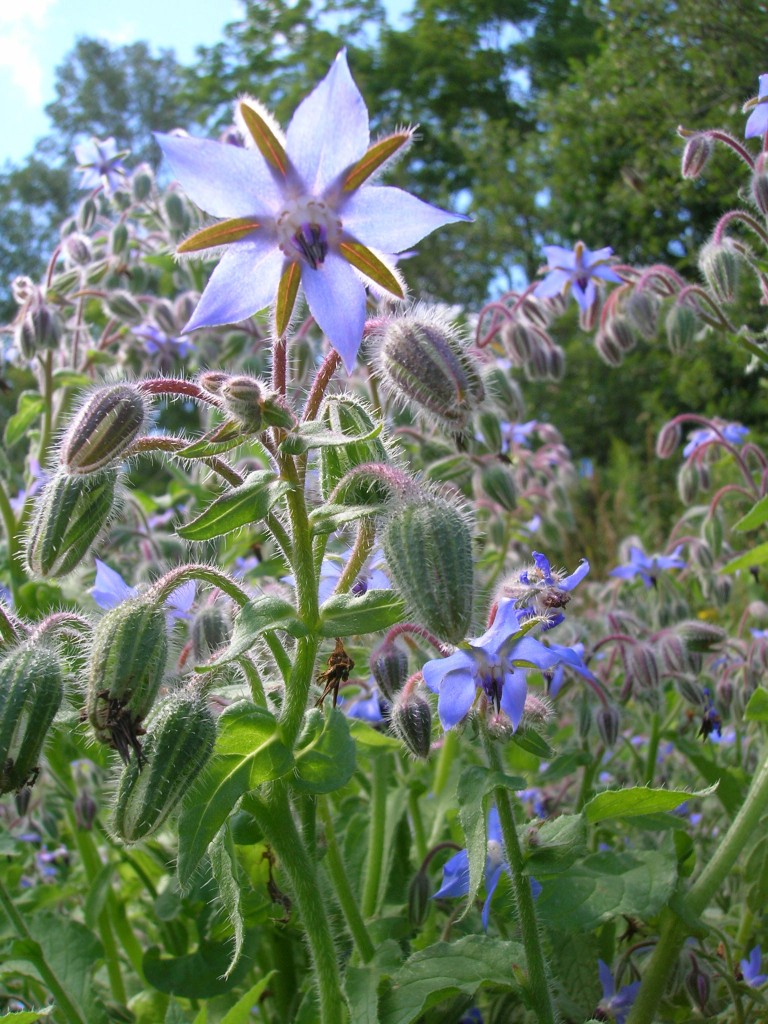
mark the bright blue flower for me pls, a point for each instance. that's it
(542, 590)
(519, 433)
(617, 1004)
(750, 968)
(757, 123)
(101, 164)
(575, 270)
(110, 589)
(495, 663)
(368, 709)
(456, 869)
(301, 203)
(733, 433)
(648, 567)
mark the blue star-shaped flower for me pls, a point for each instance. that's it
(616, 1004)
(101, 164)
(648, 567)
(158, 343)
(110, 589)
(733, 433)
(300, 210)
(757, 123)
(496, 663)
(575, 270)
(750, 968)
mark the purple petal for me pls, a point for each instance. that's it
(455, 876)
(329, 129)
(576, 576)
(225, 181)
(336, 299)
(552, 284)
(390, 219)
(560, 258)
(606, 979)
(505, 625)
(491, 881)
(244, 282)
(606, 273)
(584, 296)
(513, 696)
(457, 693)
(757, 123)
(109, 587)
(436, 670)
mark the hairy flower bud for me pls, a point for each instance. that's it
(504, 392)
(39, 329)
(123, 306)
(210, 630)
(688, 482)
(670, 436)
(643, 310)
(519, 340)
(691, 691)
(31, 691)
(70, 513)
(118, 239)
(428, 548)
(608, 349)
(389, 665)
(107, 424)
(700, 636)
(241, 398)
(142, 181)
(698, 150)
(411, 718)
(76, 248)
(681, 325)
(759, 184)
(621, 330)
(126, 667)
(424, 361)
(641, 665)
(176, 211)
(86, 215)
(178, 745)
(164, 315)
(498, 483)
(344, 414)
(419, 893)
(720, 263)
(608, 720)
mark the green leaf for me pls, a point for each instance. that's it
(248, 752)
(315, 434)
(216, 443)
(361, 984)
(252, 620)
(26, 1016)
(241, 1011)
(446, 969)
(326, 754)
(731, 783)
(353, 615)
(757, 706)
(329, 518)
(475, 784)
(29, 407)
(757, 556)
(637, 801)
(198, 975)
(605, 886)
(756, 516)
(364, 734)
(224, 868)
(71, 952)
(559, 843)
(534, 743)
(241, 506)
(70, 379)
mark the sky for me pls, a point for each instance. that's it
(36, 35)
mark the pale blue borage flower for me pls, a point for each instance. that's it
(101, 164)
(299, 209)
(575, 270)
(757, 122)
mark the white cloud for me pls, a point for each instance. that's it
(19, 55)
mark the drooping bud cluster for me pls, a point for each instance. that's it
(37, 327)
(247, 400)
(31, 692)
(424, 361)
(428, 549)
(179, 743)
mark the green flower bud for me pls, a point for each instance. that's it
(86, 215)
(389, 665)
(498, 483)
(608, 721)
(62, 284)
(241, 398)
(504, 391)
(108, 423)
(720, 263)
(346, 414)
(176, 211)
(142, 182)
(76, 249)
(490, 428)
(698, 150)
(31, 691)
(419, 892)
(178, 745)
(39, 329)
(681, 325)
(118, 239)
(688, 482)
(424, 361)
(71, 512)
(428, 549)
(210, 630)
(123, 306)
(165, 317)
(670, 436)
(126, 667)
(411, 718)
(701, 636)
(608, 349)
(643, 310)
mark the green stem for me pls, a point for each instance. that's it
(366, 535)
(653, 749)
(380, 766)
(13, 546)
(251, 673)
(541, 998)
(275, 816)
(59, 993)
(673, 930)
(344, 894)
